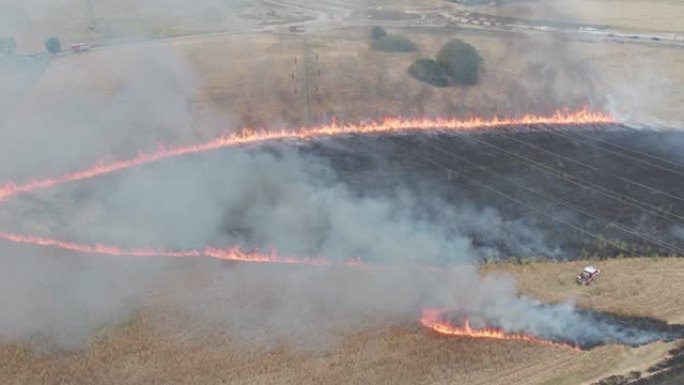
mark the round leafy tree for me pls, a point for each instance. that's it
(461, 62)
(394, 43)
(377, 32)
(53, 45)
(429, 71)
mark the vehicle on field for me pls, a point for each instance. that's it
(80, 47)
(588, 275)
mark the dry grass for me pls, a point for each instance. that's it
(357, 83)
(656, 15)
(148, 350)
(642, 286)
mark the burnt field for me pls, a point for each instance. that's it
(606, 328)
(515, 193)
(667, 372)
(558, 192)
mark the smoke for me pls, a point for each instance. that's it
(55, 300)
(261, 198)
(117, 104)
(554, 75)
(55, 116)
(110, 106)
(251, 198)
(495, 303)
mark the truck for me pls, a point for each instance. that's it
(588, 275)
(80, 47)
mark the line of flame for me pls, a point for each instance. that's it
(433, 318)
(229, 254)
(247, 136)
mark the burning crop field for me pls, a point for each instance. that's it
(423, 154)
(284, 192)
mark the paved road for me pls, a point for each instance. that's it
(329, 15)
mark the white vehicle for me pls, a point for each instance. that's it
(588, 275)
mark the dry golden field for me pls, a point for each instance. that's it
(641, 286)
(150, 350)
(655, 15)
(273, 80)
(356, 83)
(349, 81)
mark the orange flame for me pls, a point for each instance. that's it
(235, 254)
(247, 136)
(432, 318)
(231, 254)
(97, 248)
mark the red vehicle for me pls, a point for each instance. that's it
(588, 275)
(80, 47)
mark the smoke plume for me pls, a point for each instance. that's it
(258, 198)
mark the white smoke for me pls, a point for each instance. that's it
(253, 198)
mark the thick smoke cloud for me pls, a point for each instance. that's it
(253, 198)
(494, 302)
(53, 123)
(281, 202)
(260, 198)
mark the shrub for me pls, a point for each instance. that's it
(461, 62)
(394, 43)
(429, 71)
(53, 45)
(378, 32)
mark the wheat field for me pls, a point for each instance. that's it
(149, 350)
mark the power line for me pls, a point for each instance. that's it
(566, 203)
(592, 168)
(515, 200)
(642, 161)
(581, 183)
(625, 148)
(90, 15)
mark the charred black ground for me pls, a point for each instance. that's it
(668, 372)
(586, 191)
(611, 329)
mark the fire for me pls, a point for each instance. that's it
(248, 136)
(235, 254)
(97, 248)
(230, 254)
(433, 318)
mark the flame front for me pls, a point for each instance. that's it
(230, 254)
(247, 136)
(433, 318)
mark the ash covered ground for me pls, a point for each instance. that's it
(560, 193)
(606, 328)
(425, 198)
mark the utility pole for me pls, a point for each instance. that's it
(307, 82)
(90, 15)
(307, 79)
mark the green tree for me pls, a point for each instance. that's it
(377, 32)
(53, 45)
(429, 71)
(461, 62)
(394, 43)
